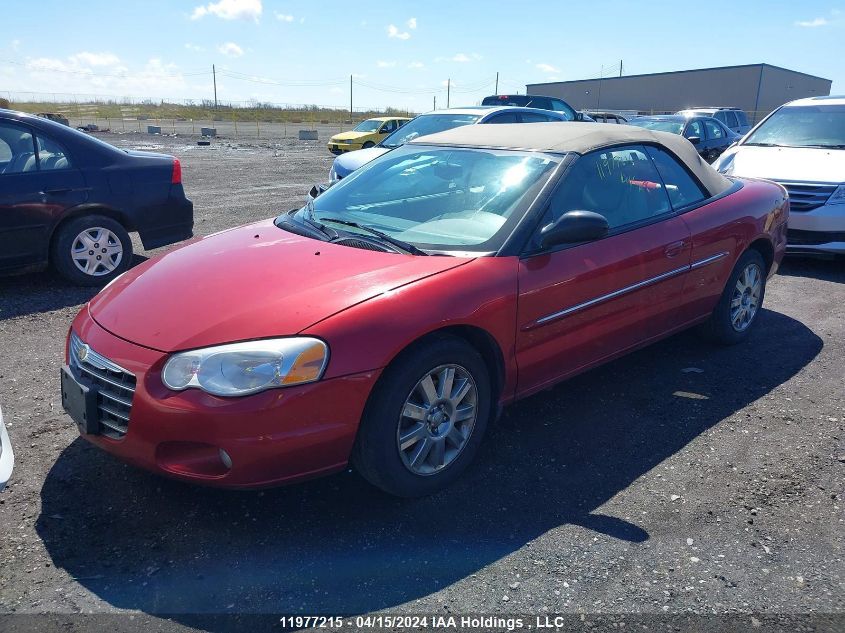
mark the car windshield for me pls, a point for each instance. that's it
(802, 126)
(661, 125)
(370, 125)
(427, 124)
(438, 198)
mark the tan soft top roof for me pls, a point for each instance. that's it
(577, 137)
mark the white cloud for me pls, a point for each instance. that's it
(15, 45)
(284, 17)
(230, 10)
(395, 33)
(412, 23)
(95, 59)
(461, 58)
(547, 68)
(194, 47)
(75, 74)
(230, 49)
(813, 23)
(416, 65)
(383, 64)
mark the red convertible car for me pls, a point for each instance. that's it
(386, 323)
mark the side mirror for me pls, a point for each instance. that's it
(318, 190)
(574, 227)
(695, 140)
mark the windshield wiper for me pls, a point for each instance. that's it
(825, 146)
(303, 226)
(405, 246)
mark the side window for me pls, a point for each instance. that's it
(560, 106)
(730, 119)
(17, 149)
(51, 155)
(714, 131)
(741, 117)
(682, 188)
(695, 129)
(505, 117)
(719, 115)
(534, 117)
(621, 184)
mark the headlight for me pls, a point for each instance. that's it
(240, 369)
(838, 195)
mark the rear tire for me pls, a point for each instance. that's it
(91, 250)
(425, 419)
(739, 306)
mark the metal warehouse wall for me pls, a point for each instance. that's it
(668, 92)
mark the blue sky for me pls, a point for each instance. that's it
(399, 53)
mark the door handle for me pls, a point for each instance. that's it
(55, 192)
(675, 248)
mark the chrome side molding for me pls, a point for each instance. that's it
(622, 291)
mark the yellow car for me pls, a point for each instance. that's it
(365, 134)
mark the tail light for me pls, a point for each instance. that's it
(176, 177)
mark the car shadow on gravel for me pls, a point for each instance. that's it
(815, 267)
(336, 545)
(43, 292)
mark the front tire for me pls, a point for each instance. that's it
(368, 145)
(740, 303)
(425, 419)
(91, 250)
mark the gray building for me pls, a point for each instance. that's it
(756, 88)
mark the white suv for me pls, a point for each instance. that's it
(801, 145)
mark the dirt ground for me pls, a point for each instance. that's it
(684, 478)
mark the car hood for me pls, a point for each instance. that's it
(350, 136)
(256, 281)
(786, 163)
(347, 163)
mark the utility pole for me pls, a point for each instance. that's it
(214, 74)
(448, 90)
(620, 67)
(435, 103)
(496, 91)
(350, 99)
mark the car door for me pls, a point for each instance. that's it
(37, 185)
(585, 303)
(695, 130)
(730, 120)
(717, 139)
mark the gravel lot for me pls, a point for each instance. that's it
(683, 478)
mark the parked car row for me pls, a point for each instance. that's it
(709, 137)
(496, 242)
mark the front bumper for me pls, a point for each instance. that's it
(820, 230)
(7, 456)
(274, 437)
(342, 148)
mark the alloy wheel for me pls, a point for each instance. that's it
(437, 419)
(745, 300)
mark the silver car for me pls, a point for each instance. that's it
(7, 457)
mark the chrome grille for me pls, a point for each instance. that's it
(115, 386)
(806, 196)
